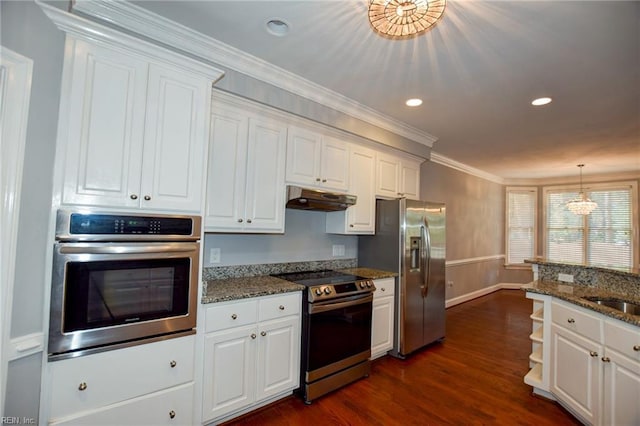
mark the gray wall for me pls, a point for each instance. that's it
(475, 228)
(26, 30)
(304, 240)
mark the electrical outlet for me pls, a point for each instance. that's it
(338, 250)
(214, 255)
(567, 278)
(449, 283)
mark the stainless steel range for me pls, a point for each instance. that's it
(336, 330)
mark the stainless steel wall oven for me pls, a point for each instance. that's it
(121, 279)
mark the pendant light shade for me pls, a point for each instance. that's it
(581, 205)
(404, 18)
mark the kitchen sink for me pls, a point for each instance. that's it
(620, 305)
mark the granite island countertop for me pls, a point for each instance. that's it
(225, 289)
(575, 293)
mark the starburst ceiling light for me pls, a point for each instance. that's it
(581, 205)
(404, 18)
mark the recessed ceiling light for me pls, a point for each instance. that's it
(278, 27)
(541, 101)
(414, 102)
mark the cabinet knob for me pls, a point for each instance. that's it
(317, 179)
(281, 307)
(234, 316)
(351, 226)
(593, 354)
(173, 363)
(382, 289)
(239, 220)
(571, 320)
(172, 414)
(324, 180)
(606, 359)
(147, 198)
(133, 196)
(253, 335)
(263, 333)
(636, 348)
(248, 220)
(82, 386)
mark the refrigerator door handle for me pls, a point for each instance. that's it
(426, 256)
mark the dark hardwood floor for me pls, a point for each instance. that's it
(474, 377)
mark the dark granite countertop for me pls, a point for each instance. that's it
(628, 272)
(221, 290)
(575, 293)
(370, 273)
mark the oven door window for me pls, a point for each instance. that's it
(338, 334)
(108, 293)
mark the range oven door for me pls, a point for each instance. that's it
(338, 336)
(119, 293)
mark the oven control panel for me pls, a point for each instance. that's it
(335, 290)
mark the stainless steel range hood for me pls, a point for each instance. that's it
(315, 199)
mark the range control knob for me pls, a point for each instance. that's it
(369, 284)
(327, 290)
(319, 291)
(362, 284)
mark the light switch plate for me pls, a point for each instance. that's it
(214, 255)
(338, 250)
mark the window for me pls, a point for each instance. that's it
(603, 238)
(521, 224)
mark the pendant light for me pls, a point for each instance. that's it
(400, 19)
(581, 205)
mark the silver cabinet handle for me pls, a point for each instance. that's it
(263, 333)
(82, 386)
(593, 354)
(253, 335)
(173, 363)
(571, 320)
(147, 198)
(636, 348)
(234, 316)
(606, 359)
(133, 196)
(281, 307)
(172, 414)
(239, 220)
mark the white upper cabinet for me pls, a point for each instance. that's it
(397, 177)
(360, 218)
(245, 182)
(133, 129)
(317, 160)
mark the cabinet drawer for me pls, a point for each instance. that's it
(169, 407)
(577, 320)
(622, 338)
(231, 314)
(280, 306)
(97, 380)
(384, 287)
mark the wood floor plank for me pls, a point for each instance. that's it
(474, 377)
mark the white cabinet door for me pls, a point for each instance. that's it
(175, 141)
(410, 179)
(133, 133)
(387, 176)
(382, 331)
(304, 149)
(104, 126)
(226, 170)
(173, 406)
(576, 376)
(278, 357)
(360, 218)
(621, 390)
(334, 164)
(229, 371)
(265, 173)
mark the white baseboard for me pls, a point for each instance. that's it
(482, 292)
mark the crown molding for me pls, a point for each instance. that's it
(155, 27)
(453, 164)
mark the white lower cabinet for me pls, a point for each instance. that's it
(109, 387)
(595, 366)
(382, 332)
(251, 353)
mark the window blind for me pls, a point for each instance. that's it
(521, 225)
(602, 238)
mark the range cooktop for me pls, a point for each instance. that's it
(311, 278)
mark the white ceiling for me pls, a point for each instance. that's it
(477, 71)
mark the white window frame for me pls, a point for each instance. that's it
(513, 189)
(635, 225)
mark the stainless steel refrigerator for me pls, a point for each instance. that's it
(410, 240)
